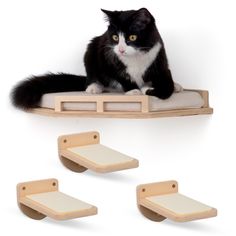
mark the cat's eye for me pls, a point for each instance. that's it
(115, 37)
(133, 37)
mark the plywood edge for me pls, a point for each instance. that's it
(134, 163)
(195, 216)
(125, 115)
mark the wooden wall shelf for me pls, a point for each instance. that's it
(158, 201)
(79, 152)
(41, 198)
(101, 100)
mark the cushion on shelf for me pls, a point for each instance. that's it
(181, 100)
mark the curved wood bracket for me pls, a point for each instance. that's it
(30, 212)
(71, 165)
(151, 215)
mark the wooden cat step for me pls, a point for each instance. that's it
(158, 201)
(80, 104)
(83, 151)
(38, 199)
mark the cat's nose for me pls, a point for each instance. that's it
(121, 50)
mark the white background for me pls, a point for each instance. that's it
(199, 152)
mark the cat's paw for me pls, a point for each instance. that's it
(94, 88)
(134, 92)
(144, 89)
(178, 88)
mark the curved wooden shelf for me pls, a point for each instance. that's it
(79, 152)
(100, 112)
(158, 201)
(38, 199)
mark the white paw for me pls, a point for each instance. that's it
(145, 88)
(178, 88)
(94, 88)
(134, 92)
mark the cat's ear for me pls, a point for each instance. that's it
(109, 14)
(143, 18)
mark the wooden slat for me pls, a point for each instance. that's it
(102, 99)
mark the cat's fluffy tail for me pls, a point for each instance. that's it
(27, 93)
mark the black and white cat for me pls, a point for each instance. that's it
(130, 55)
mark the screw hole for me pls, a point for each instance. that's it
(173, 186)
(53, 184)
(143, 190)
(23, 188)
(95, 136)
(65, 140)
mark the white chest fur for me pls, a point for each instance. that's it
(139, 63)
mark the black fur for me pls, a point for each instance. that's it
(27, 94)
(103, 65)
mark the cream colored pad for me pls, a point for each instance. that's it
(184, 99)
(158, 201)
(101, 155)
(79, 152)
(38, 199)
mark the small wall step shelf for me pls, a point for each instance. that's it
(117, 105)
(79, 152)
(41, 198)
(158, 201)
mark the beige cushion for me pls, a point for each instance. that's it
(59, 202)
(181, 100)
(101, 155)
(179, 204)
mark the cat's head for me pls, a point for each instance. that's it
(131, 32)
